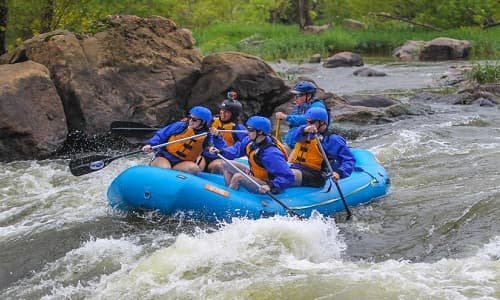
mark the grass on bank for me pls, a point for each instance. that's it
(272, 42)
(485, 73)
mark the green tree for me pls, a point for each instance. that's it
(47, 16)
(3, 25)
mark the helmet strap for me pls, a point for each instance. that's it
(260, 137)
(203, 125)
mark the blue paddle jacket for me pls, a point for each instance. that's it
(272, 159)
(297, 118)
(162, 136)
(340, 156)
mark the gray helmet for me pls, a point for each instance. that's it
(234, 106)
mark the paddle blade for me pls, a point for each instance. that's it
(88, 164)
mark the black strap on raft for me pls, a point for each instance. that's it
(360, 169)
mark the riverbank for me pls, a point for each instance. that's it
(272, 41)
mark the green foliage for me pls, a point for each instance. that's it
(273, 42)
(485, 73)
(443, 13)
(222, 24)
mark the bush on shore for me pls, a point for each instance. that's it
(485, 73)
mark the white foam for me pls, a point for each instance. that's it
(43, 195)
(273, 258)
(243, 250)
(78, 272)
(268, 258)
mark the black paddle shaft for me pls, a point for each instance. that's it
(286, 207)
(89, 164)
(330, 171)
(93, 163)
(134, 129)
(131, 129)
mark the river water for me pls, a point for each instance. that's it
(436, 236)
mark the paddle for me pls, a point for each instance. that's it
(89, 164)
(330, 171)
(277, 133)
(286, 207)
(126, 128)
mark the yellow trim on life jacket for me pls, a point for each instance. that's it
(308, 154)
(227, 136)
(188, 150)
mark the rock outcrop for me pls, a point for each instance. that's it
(135, 69)
(260, 87)
(32, 122)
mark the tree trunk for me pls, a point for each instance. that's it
(303, 8)
(493, 24)
(307, 9)
(47, 16)
(3, 25)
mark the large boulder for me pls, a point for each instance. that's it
(434, 50)
(137, 69)
(360, 109)
(261, 89)
(32, 122)
(409, 51)
(364, 110)
(343, 59)
(445, 49)
(377, 101)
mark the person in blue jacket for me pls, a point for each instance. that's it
(228, 119)
(186, 155)
(308, 162)
(267, 162)
(304, 94)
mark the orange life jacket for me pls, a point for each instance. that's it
(227, 136)
(254, 161)
(188, 150)
(280, 146)
(307, 153)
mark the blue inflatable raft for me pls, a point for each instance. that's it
(205, 197)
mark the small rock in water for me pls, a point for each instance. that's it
(367, 72)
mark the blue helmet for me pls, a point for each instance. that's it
(260, 123)
(202, 113)
(317, 114)
(304, 87)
